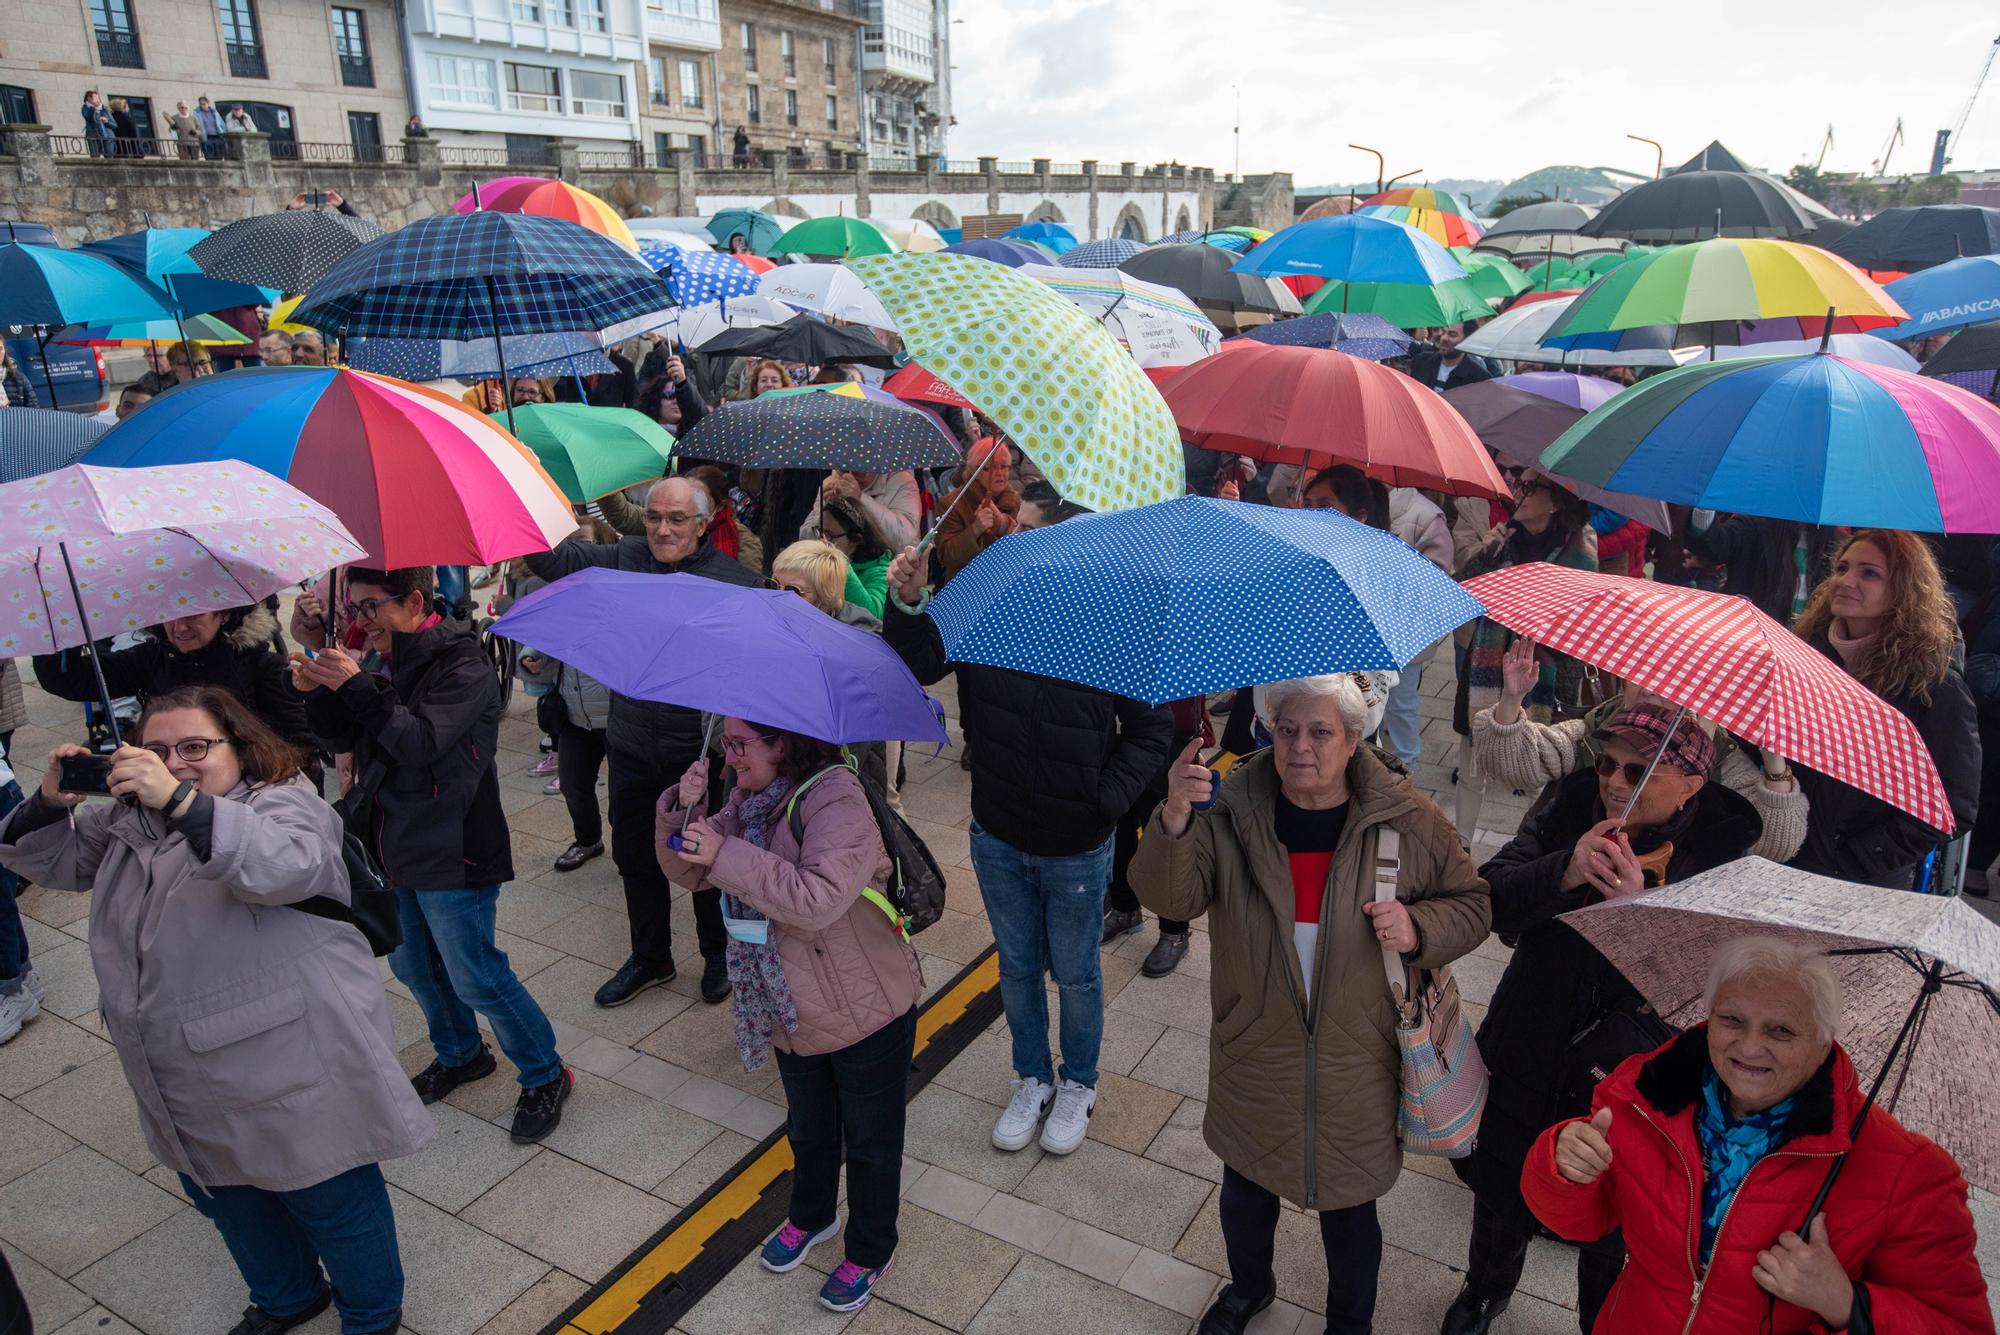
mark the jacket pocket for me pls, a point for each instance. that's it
(257, 1052)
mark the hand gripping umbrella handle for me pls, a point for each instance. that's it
(677, 841)
(924, 547)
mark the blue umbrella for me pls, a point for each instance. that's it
(697, 277)
(763, 655)
(50, 288)
(34, 441)
(1951, 296)
(1183, 597)
(1051, 234)
(1009, 253)
(1108, 253)
(1353, 249)
(439, 359)
(160, 256)
(1356, 333)
(757, 227)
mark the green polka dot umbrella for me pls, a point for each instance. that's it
(1040, 367)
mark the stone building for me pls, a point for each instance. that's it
(683, 108)
(789, 79)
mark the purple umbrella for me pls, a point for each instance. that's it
(1582, 392)
(763, 655)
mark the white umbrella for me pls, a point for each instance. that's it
(831, 290)
(1157, 324)
(912, 234)
(1854, 347)
(1516, 336)
(695, 325)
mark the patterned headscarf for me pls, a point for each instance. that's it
(1729, 1150)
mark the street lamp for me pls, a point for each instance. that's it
(1404, 177)
(1380, 166)
(1659, 154)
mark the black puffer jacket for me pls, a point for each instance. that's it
(1557, 984)
(1054, 765)
(433, 720)
(654, 733)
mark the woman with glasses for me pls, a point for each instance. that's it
(849, 530)
(1562, 1015)
(255, 1036)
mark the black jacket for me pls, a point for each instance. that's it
(655, 734)
(1556, 983)
(1054, 765)
(1424, 369)
(434, 723)
(614, 389)
(1761, 557)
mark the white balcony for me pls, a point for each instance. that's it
(692, 25)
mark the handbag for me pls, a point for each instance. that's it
(1443, 1080)
(1624, 1029)
(371, 905)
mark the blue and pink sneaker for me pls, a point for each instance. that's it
(851, 1285)
(787, 1248)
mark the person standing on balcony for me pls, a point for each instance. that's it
(210, 120)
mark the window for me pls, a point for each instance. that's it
(17, 105)
(527, 11)
(117, 35)
(350, 43)
(791, 107)
(462, 80)
(594, 94)
(690, 83)
(656, 80)
(787, 55)
(593, 14)
(534, 88)
(826, 56)
(748, 34)
(756, 106)
(560, 13)
(663, 147)
(240, 36)
(698, 144)
(364, 132)
(832, 112)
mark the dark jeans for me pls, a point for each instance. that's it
(1124, 846)
(280, 1239)
(212, 147)
(451, 965)
(13, 936)
(1352, 1238)
(1498, 1251)
(636, 786)
(579, 754)
(850, 1104)
(1985, 843)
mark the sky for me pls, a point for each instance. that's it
(1487, 90)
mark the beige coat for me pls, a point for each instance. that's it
(1302, 1097)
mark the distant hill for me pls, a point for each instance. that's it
(1472, 191)
(1584, 185)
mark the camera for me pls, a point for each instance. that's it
(84, 774)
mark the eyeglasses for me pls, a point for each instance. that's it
(367, 608)
(190, 749)
(1633, 771)
(673, 520)
(735, 747)
(834, 534)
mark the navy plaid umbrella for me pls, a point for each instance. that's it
(1356, 333)
(34, 441)
(1107, 253)
(289, 251)
(834, 426)
(439, 359)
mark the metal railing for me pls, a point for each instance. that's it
(246, 62)
(357, 71)
(612, 159)
(283, 150)
(120, 49)
(459, 155)
(960, 165)
(1017, 168)
(69, 145)
(1066, 169)
(76, 146)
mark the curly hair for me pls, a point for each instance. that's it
(1919, 628)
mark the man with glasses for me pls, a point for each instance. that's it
(651, 745)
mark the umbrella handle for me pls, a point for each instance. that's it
(674, 840)
(924, 546)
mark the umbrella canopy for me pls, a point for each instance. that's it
(590, 452)
(1816, 438)
(1974, 349)
(41, 285)
(1108, 253)
(1726, 280)
(803, 339)
(1948, 297)
(1582, 271)
(281, 316)
(914, 384)
(1356, 333)
(1492, 277)
(1419, 197)
(757, 264)
(697, 277)
(1695, 205)
(41, 440)
(1518, 416)
(1356, 248)
(420, 478)
(830, 290)
(1447, 229)
(202, 329)
(1516, 335)
(1158, 325)
(1405, 305)
(1555, 217)
(151, 544)
(1054, 235)
(160, 256)
(289, 251)
(1920, 238)
(1013, 254)
(1205, 276)
(1319, 408)
(912, 234)
(1546, 246)
(847, 427)
(760, 229)
(696, 325)
(421, 359)
(1105, 599)
(1854, 347)
(1047, 373)
(840, 237)
(550, 199)
(763, 655)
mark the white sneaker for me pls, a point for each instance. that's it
(34, 983)
(1069, 1118)
(1017, 1124)
(17, 1008)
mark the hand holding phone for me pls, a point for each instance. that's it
(74, 773)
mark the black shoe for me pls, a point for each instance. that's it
(1117, 923)
(257, 1321)
(577, 854)
(633, 977)
(437, 1080)
(538, 1110)
(392, 1327)
(1470, 1314)
(1231, 1313)
(714, 979)
(1166, 954)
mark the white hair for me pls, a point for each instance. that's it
(704, 504)
(1340, 687)
(1776, 959)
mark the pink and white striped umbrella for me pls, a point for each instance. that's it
(1730, 663)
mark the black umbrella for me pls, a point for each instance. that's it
(1205, 275)
(1826, 231)
(822, 428)
(802, 339)
(1556, 215)
(1922, 237)
(1974, 348)
(1697, 205)
(290, 251)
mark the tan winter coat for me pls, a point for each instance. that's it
(1302, 1098)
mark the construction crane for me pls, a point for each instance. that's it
(1941, 151)
(1824, 145)
(1881, 165)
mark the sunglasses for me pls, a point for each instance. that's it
(1632, 771)
(190, 749)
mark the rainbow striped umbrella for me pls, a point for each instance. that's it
(549, 199)
(1419, 197)
(1727, 279)
(1447, 229)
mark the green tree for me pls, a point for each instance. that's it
(1809, 180)
(1506, 204)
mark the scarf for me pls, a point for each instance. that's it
(1729, 1150)
(760, 996)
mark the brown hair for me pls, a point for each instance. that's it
(757, 369)
(1919, 630)
(804, 756)
(264, 756)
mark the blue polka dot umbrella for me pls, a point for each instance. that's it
(1194, 595)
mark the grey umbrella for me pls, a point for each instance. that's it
(39, 440)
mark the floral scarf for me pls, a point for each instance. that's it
(1729, 1150)
(760, 996)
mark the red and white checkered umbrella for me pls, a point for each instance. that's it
(1729, 663)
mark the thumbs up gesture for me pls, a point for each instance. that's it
(1582, 1152)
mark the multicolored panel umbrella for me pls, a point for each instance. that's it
(1447, 229)
(1519, 416)
(1052, 378)
(1419, 197)
(1725, 280)
(837, 238)
(1732, 665)
(1818, 439)
(416, 475)
(205, 330)
(590, 452)
(1405, 305)
(1158, 324)
(287, 252)
(847, 427)
(550, 199)
(1354, 248)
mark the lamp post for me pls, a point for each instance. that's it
(1379, 165)
(1659, 154)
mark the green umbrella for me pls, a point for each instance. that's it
(1550, 275)
(1405, 305)
(1491, 276)
(841, 237)
(591, 452)
(1051, 376)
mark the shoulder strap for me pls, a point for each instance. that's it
(795, 819)
(1389, 862)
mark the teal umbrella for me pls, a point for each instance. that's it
(591, 452)
(49, 288)
(755, 226)
(160, 256)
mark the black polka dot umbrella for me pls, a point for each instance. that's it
(835, 426)
(289, 251)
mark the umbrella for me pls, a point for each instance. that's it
(1694, 205)
(1354, 248)
(205, 330)
(1818, 439)
(758, 654)
(41, 440)
(830, 290)
(49, 288)
(1356, 333)
(1105, 599)
(916, 385)
(662, 234)
(1447, 229)
(1108, 253)
(697, 277)
(1918, 974)
(1319, 408)
(1854, 347)
(1205, 275)
(1405, 305)
(549, 199)
(1158, 324)
(1045, 372)
(1013, 254)
(160, 256)
(1948, 297)
(840, 237)
(1726, 280)
(1555, 217)
(823, 426)
(420, 478)
(803, 339)
(912, 234)
(289, 251)
(588, 451)
(1973, 349)
(1419, 197)
(1054, 235)
(1920, 238)
(1516, 335)
(1491, 276)
(1518, 416)
(421, 359)
(755, 226)
(696, 325)
(281, 316)
(1545, 246)
(757, 264)
(1582, 271)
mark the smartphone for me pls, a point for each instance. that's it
(84, 774)
(315, 196)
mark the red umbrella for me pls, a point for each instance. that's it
(754, 263)
(1317, 407)
(1530, 298)
(1728, 662)
(914, 384)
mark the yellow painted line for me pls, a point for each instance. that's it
(952, 1004)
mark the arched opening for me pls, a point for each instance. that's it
(936, 214)
(1131, 224)
(785, 208)
(1181, 220)
(1045, 212)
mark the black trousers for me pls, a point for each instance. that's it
(1499, 1250)
(1124, 846)
(1352, 1238)
(636, 785)
(1985, 845)
(579, 755)
(850, 1105)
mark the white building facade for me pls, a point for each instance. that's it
(906, 75)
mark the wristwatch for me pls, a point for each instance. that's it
(181, 793)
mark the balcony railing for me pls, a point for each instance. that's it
(357, 71)
(1017, 168)
(120, 49)
(612, 159)
(459, 155)
(247, 62)
(960, 165)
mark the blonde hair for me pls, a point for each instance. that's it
(1776, 959)
(824, 569)
(1919, 627)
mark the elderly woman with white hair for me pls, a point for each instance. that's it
(1303, 1058)
(1708, 1152)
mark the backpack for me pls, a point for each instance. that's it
(914, 896)
(372, 903)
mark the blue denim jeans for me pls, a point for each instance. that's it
(452, 967)
(13, 936)
(280, 1239)
(1047, 915)
(1402, 726)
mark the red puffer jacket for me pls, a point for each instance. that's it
(1897, 1218)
